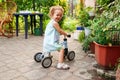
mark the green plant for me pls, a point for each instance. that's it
(83, 15)
(88, 9)
(69, 24)
(83, 18)
(118, 72)
(86, 43)
(81, 36)
(103, 2)
(117, 66)
(104, 26)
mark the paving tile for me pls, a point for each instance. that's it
(25, 69)
(47, 78)
(60, 74)
(15, 65)
(83, 73)
(34, 75)
(20, 78)
(2, 63)
(9, 75)
(73, 77)
(3, 69)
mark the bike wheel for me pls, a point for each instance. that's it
(46, 62)
(37, 57)
(71, 55)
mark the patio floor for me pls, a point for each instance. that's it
(17, 63)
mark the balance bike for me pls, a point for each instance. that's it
(46, 58)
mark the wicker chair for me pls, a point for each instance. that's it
(6, 17)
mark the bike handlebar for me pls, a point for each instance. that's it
(69, 35)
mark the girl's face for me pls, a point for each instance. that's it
(57, 16)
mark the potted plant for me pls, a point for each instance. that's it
(106, 30)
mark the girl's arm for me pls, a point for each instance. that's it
(57, 27)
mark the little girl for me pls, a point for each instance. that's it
(52, 35)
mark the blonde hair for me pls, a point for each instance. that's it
(53, 8)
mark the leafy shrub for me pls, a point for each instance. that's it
(81, 36)
(69, 24)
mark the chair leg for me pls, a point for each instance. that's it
(2, 31)
(10, 30)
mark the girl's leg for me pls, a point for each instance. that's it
(61, 56)
(61, 64)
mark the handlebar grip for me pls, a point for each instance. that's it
(68, 35)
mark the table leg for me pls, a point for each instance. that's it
(41, 24)
(17, 20)
(26, 26)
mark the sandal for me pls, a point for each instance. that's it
(62, 66)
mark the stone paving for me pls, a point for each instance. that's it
(17, 63)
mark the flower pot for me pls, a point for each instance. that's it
(107, 56)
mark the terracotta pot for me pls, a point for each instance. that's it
(107, 56)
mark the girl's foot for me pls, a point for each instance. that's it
(62, 66)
